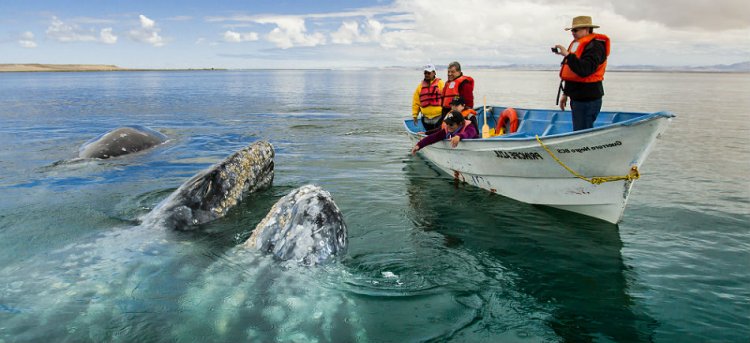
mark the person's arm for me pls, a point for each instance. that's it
(594, 55)
(563, 101)
(415, 104)
(435, 137)
(466, 90)
(469, 133)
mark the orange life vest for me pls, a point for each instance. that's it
(467, 113)
(568, 75)
(509, 116)
(450, 90)
(463, 128)
(429, 95)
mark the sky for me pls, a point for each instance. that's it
(365, 33)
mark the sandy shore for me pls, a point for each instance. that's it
(58, 67)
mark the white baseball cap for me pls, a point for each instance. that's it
(430, 67)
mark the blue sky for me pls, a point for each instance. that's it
(356, 34)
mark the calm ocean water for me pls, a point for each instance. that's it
(428, 260)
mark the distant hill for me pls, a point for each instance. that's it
(58, 67)
(36, 67)
(742, 67)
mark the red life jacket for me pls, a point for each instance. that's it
(463, 128)
(598, 75)
(429, 95)
(450, 90)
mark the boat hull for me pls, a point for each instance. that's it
(520, 167)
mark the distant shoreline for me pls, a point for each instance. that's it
(38, 67)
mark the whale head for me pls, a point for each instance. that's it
(211, 193)
(304, 226)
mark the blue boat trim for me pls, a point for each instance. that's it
(551, 123)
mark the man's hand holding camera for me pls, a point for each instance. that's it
(560, 50)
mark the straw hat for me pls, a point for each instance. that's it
(581, 21)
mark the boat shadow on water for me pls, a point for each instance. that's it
(566, 270)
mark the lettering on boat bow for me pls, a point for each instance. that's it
(589, 148)
(517, 155)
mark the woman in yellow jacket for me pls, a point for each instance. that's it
(427, 100)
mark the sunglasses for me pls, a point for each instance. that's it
(575, 30)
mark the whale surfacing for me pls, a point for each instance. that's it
(304, 226)
(211, 193)
(121, 141)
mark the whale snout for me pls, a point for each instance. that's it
(304, 226)
(210, 194)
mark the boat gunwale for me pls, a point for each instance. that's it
(633, 121)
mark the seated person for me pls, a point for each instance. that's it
(458, 104)
(455, 128)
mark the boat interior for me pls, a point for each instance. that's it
(532, 122)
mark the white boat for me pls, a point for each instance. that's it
(547, 163)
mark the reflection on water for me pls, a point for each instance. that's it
(570, 265)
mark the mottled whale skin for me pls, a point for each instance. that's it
(211, 193)
(304, 226)
(121, 141)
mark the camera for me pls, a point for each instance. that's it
(555, 50)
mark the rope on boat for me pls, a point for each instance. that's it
(596, 180)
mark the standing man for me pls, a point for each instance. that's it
(427, 100)
(458, 85)
(582, 72)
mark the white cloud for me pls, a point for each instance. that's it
(180, 18)
(146, 23)
(148, 32)
(374, 29)
(349, 32)
(237, 37)
(516, 31)
(709, 15)
(27, 40)
(64, 32)
(291, 32)
(106, 36)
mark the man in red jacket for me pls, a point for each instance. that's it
(458, 84)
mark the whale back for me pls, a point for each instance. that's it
(121, 141)
(210, 194)
(304, 226)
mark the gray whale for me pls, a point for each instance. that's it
(121, 141)
(304, 226)
(211, 193)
